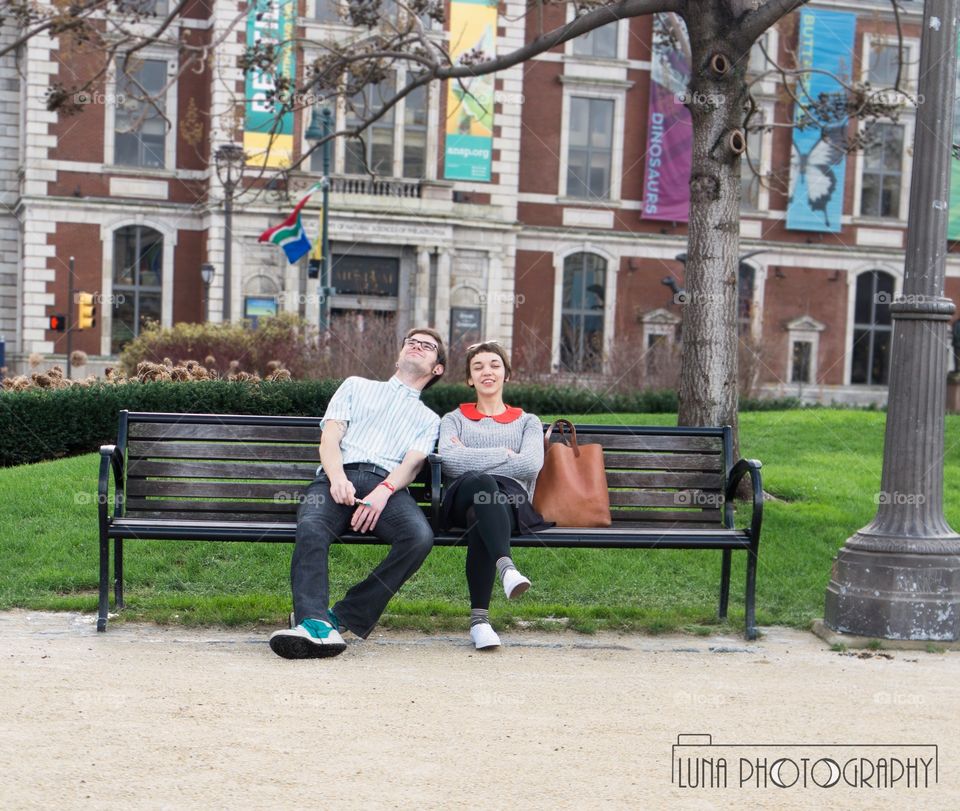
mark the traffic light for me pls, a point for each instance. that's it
(58, 322)
(87, 311)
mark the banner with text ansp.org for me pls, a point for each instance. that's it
(267, 136)
(469, 133)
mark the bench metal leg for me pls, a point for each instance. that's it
(104, 605)
(750, 608)
(724, 585)
(118, 572)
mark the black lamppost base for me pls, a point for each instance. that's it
(894, 595)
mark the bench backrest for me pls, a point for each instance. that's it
(660, 476)
(256, 468)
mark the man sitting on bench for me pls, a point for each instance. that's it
(376, 436)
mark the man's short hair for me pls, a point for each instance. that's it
(441, 350)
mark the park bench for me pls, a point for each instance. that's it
(219, 477)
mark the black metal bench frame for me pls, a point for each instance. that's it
(678, 518)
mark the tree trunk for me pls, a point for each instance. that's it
(717, 102)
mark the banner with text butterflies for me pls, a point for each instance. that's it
(818, 156)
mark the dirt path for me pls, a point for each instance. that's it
(147, 717)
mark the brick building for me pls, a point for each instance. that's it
(553, 254)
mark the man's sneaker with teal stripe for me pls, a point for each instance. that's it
(311, 639)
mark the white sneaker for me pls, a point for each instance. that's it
(484, 636)
(311, 639)
(514, 584)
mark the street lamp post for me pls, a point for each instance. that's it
(207, 272)
(230, 160)
(316, 131)
(899, 576)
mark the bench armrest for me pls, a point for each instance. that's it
(435, 483)
(737, 472)
(110, 457)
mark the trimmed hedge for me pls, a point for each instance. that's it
(37, 425)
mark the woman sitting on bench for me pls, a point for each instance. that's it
(491, 454)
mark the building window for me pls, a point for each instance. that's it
(374, 152)
(139, 119)
(872, 328)
(581, 324)
(326, 11)
(802, 355)
(415, 133)
(590, 153)
(882, 172)
(601, 43)
(137, 282)
(883, 64)
(750, 165)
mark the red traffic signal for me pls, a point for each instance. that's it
(58, 322)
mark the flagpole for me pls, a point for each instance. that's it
(325, 289)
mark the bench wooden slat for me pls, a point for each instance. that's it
(655, 443)
(227, 451)
(256, 433)
(678, 500)
(222, 470)
(205, 489)
(626, 518)
(709, 462)
(658, 479)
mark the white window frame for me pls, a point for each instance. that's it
(623, 39)
(804, 330)
(338, 148)
(609, 298)
(907, 121)
(767, 111)
(852, 277)
(170, 109)
(589, 89)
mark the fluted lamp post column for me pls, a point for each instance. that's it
(899, 576)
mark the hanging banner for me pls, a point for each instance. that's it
(666, 183)
(268, 136)
(818, 157)
(469, 134)
(953, 221)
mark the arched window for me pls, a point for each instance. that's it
(137, 282)
(872, 328)
(581, 324)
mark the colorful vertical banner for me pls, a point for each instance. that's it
(666, 182)
(953, 221)
(267, 135)
(818, 157)
(469, 143)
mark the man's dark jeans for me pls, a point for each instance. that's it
(320, 520)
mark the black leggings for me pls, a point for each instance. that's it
(479, 506)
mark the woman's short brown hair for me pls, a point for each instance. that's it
(488, 346)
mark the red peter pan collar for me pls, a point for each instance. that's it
(469, 410)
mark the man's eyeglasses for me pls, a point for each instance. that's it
(415, 343)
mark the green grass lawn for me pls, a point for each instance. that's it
(823, 467)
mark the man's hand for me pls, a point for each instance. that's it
(342, 490)
(365, 517)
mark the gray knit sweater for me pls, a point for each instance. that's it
(485, 444)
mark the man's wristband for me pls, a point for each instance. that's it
(389, 486)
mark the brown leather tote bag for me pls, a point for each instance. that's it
(571, 489)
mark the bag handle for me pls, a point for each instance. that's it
(563, 425)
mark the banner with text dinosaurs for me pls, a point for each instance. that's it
(268, 136)
(469, 133)
(666, 182)
(818, 157)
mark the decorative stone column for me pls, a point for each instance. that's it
(899, 576)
